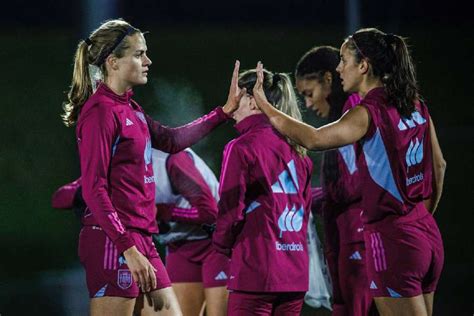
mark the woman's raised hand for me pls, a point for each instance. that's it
(235, 93)
(258, 93)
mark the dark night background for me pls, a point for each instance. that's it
(193, 45)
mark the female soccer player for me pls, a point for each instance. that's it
(114, 139)
(264, 207)
(401, 154)
(318, 81)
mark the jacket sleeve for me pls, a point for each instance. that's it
(317, 198)
(96, 137)
(63, 198)
(172, 140)
(233, 183)
(188, 182)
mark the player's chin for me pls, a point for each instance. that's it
(142, 80)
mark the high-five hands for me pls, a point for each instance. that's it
(258, 93)
(235, 93)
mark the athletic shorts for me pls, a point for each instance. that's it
(404, 256)
(197, 261)
(353, 283)
(276, 303)
(107, 273)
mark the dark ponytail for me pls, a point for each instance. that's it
(390, 61)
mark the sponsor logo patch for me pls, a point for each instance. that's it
(291, 220)
(414, 153)
(150, 179)
(289, 247)
(416, 178)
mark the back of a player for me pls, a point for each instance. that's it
(404, 245)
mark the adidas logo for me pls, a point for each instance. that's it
(128, 122)
(373, 286)
(287, 181)
(356, 256)
(221, 276)
(416, 117)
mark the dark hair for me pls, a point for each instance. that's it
(390, 61)
(108, 39)
(279, 92)
(312, 66)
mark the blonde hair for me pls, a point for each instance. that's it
(279, 91)
(105, 40)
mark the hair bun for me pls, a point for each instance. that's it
(276, 79)
(390, 38)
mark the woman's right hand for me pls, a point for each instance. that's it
(235, 93)
(258, 92)
(142, 270)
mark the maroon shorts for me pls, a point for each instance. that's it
(278, 303)
(345, 255)
(107, 272)
(353, 283)
(197, 261)
(404, 255)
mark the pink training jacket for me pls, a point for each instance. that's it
(263, 211)
(397, 169)
(115, 138)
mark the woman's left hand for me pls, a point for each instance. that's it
(235, 93)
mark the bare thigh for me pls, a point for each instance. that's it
(429, 298)
(410, 306)
(190, 297)
(108, 305)
(216, 301)
(158, 302)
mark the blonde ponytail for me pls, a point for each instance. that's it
(279, 92)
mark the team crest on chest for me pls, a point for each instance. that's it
(124, 278)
